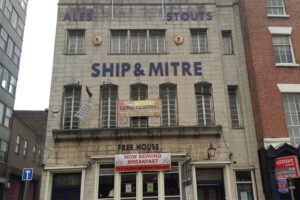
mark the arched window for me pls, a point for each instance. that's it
(168, 96)
(203, 92)
(139, 92)
(72, 95)
(109, 96)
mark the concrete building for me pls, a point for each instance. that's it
(12, 21)
(26, 150)
(150, 100)
(272, 47)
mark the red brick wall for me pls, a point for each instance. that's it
(263, 74)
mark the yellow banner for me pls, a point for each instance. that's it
(142, 108)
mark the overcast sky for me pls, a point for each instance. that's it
(34, 79)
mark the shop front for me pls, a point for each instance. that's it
(280, 172)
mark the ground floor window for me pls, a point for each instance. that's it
(244, 185)
(66, 186)
(210, 184)
(145, 185)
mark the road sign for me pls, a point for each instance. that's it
(27, 174)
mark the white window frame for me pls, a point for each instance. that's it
(141, 121)
(8, 117)
(139, 183)
(253, 181)
(154, 36)
(138, 38)
(227, 42)
(196, 35)
(276, 14)
(234, 103)
(168, 100)
(18, 142)
(285, 31)
(74, 98)
(74, 39)
(25, 148)
(106, 120)
(200, 100)
(116, 37)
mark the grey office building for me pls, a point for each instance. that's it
(12, 21)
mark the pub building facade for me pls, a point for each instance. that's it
(150, 100)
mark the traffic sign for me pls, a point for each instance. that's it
(27, 174)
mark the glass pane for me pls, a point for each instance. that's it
(172, 186)
(245, 191)
(243, 176)
(106, 186)
(150, 186)
(128, 185)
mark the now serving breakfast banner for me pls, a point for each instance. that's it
(143, 162)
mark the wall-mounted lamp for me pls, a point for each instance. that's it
(211, 151)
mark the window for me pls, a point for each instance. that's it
(2, 108)
(5, 79)
(16, 56)
(18, 140)
(234, 106)
(172, 185)
(8, 9)
(66, 186)
(24, 4)
(34, 153)
(128, 186)
(275, 7)
(20, 27)
(138, 41)
(227, 42)
(204, 104)
(3, 150)
(106, 182)
(2, 4)
(199, 40)
(109, 95)
(3, 39)
(12, 85)
(157, 41)
(168, 95)
(25, 148)
(244, 185)
(119, 41)
(10, 48)
(14, 19)
(139, 92)
(75, 41)
(8, 117)
(72, 95)
(150, 185)
(291, 102)
(283, 49)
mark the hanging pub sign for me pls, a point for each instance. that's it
(286, 167)
(150, 108)
(143, 162)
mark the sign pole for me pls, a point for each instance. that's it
(25, 190)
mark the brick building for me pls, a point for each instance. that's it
(26, 151)
(272, 46)
(160, 82)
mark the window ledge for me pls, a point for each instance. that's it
(115, 133)
(287, 65)
(278, 16)
(200, 52)
(138, 53)
(74, 54)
